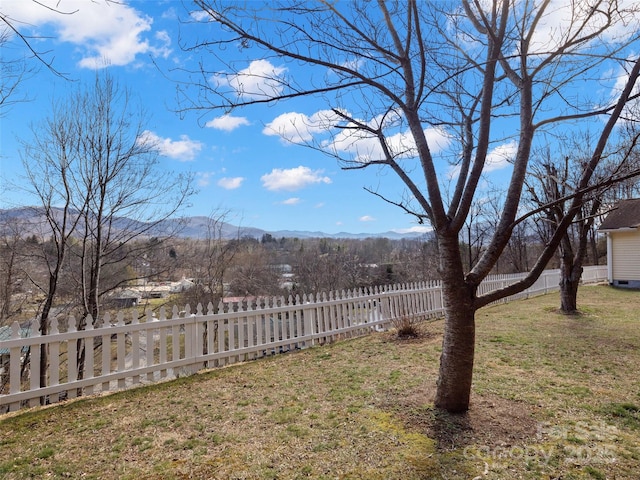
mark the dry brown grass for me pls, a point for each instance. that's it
(554, 397)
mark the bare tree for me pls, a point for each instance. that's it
(13, 70)
(555, 192)
(415, 261)
(21, 57)
(519, 248)
(120, 195)
(209, 259)
(477, 230)
(403, 78)
(324, 266)
(93, 157)
(251, 273)
(47, 162)
(552, 184)
(11, 250)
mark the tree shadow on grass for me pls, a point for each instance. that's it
(490, 422)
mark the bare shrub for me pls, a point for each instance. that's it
(406, 326)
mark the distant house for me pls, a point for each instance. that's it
(126, 299)
(182, 286)
(622, 228)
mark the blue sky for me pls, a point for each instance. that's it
(240, 161)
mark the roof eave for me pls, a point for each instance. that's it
(619, 229)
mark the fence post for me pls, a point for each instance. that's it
(199, 347)
(149, 342)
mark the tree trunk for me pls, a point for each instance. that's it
(571, 262)
(80, 359)
(91, 300)
(570, 274)
(458, 345)
(44, 325)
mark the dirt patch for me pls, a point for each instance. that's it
(491, 421)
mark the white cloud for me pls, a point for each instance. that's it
(292, 179)
(200, 16)
(354, 64)
(296, 127)
(230, 183)
(367, 218)
(163, 49)
(363, 147)
(227, 123)
(259, 80)
(291, 201)
(360, 146)
(416, 229)
(184, 149)
(501, 157)
(563, 19)
(204, 178)
(621, 77)
(108, 33)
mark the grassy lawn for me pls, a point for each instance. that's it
(554, 397)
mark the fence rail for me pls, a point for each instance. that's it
(128, 350)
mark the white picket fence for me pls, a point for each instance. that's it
(129, 351)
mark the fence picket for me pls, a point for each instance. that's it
(163, 347)
(34, 364)
(120, 350)
(14, 367)
(106, 353)
(149, 342)
(72, 358)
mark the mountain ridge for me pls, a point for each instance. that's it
(196, 227)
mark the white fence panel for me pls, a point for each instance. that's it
(119, 354)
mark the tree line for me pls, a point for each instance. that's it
(246, 266)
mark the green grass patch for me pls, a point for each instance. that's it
(626, 413)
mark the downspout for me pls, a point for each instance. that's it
(609, 258)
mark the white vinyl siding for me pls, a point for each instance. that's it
(625, 255)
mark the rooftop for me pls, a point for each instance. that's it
(626, 214)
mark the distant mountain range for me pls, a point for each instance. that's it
(31, 221)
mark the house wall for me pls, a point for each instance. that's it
(625, 258)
